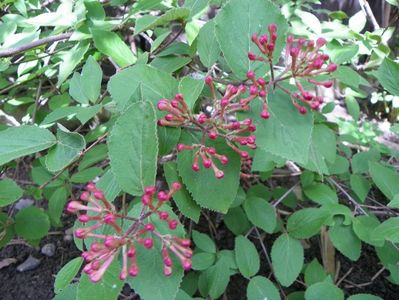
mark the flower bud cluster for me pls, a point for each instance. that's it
(94, 208)
(237, 134)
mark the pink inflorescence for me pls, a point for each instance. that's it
(237, 134)
(304, 59)
(93, 207)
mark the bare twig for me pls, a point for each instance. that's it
(367, 10)
(285, 195)
(34, 44)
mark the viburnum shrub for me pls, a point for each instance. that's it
(303, 59)
(198, 150)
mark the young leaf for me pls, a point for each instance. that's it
(191, 89)
(386, 179)
(112, 45)
(235, 24)
(203, 242)
(314, 272)
(68, 148)
(287, 258)
(261, 288)
(67, 273)
(208, 47)
(31, 139)
(388, 230)
(361, 160)
(320, 193)
(213, 282)
(70, 60)
(261, 213)
(363, 226)
(323, 290)
(290, 131)
(247, 257)
(9, 192)
(202, 261)
(56, 205)
(133, 148)
(31, 223)
(306, 222)
(388, 76)
(109, 185)
(182, 198)
(360, 186)
(345, 240)
(236, 221)
(91, 79)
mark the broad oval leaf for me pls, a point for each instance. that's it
(133, 148)
(9, 192)
(323, 290)
(261, 288)
(247, 257)
(306, 222)
(386, 179)
(287, 258)
(31, 223)
(67, 273)
(31, 139)
(261, 213)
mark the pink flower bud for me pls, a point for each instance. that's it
(244, 154)
(174, 103)
(253, 90)
(224, 102)
(262, 93)
(294, 52)
(307, 96)
(328, 84)
(180, 147)
(212, 135)
(318, 63)
(167, 261)
(163, 104)
(84, 218)
(270, 47)
(202, 118)
(272, 27)
(321, 42)
(133, 271)
(261, 81)
(207, 163)
(273, 37)
(109, 219)
(185, 243)
(148, 243)
(310, 44)
(250, 74)
(195, 167)
(146, 199)
(122, 275)
(95, 247)
(208, 80)
(219, 174)
(290, 39)
(211, 151)
(131, 252)
(265, 114)
(302, 110)
(172, 224)
(252, 128)
(233, 90)
(325, 57)
(162, 196)
(187, 265)
(224, 160)
(251, 139)
(85, 196)
(74, 206)
(149, 227)
(331, 68)
(254, 37)
(252, 56)
(242, 88)
(163, 215)
(167, 271)
(99, 195)
(169, 117)
(179, 97)
(176, 186)
(80, 233)
(263, 39)
(150, 190)
(91, 187)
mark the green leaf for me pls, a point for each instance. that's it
(168, 137)
(314, 272)
(364, 297)
(360, 186)
(341, 53)
(31, 139)
(133, 148)
(179, 14)
(9, 192)
(206, 189)
(306, 222)
(6, 229)
(76, 90)
(287, 258)
(361, 160)
(214, 281)
(191, 89)
(236, 221)
(152, 85)
(395, 202)
(182, 198)
(170, 63)
(363, 226)
(56, 205)
(86, 175)
(107, 289)
(345, 240)
(261, 213)
(94, 155)
(261, 288)
(323, 290)
(68, 148)
(388, 76)
(207, 46)
(70, 60)
(237, 21)
(289, 130)
(322, 149)
(109, 185)
(386, 179)
(112, 45)
(388, 230)
(320, 193)
(247, 257)
(202, 261)
(68, 293)
(357, 21)
(91, 79)
(195, 6)
(31, 223)
(203, 242)
(67, 273)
